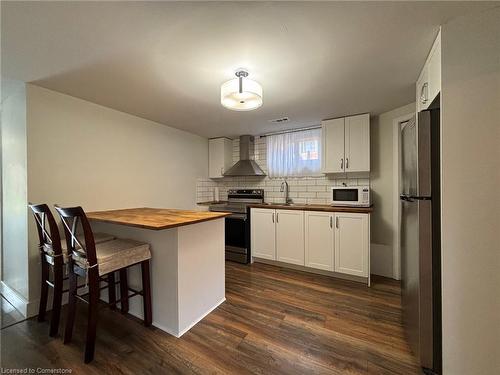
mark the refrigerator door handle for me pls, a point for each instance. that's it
(406, 198)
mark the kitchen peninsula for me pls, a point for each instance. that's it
(187, 265)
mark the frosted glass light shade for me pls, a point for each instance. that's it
(250, 97)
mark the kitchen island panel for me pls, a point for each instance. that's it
(201, 262)
(187, 272)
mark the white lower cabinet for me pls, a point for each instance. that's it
(352, 243)
(319, 240)
(263, 233)
(290, 236)
(329, 241)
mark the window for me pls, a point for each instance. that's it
(294, 154)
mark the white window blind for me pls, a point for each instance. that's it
(294, 154)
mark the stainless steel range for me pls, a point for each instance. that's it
(238, 224)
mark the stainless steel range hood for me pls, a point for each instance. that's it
(246, 166)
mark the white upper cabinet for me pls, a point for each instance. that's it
(357, 143)
(333, 145)
(290, 236)
(423, 89)
(220, 156)
(319, 240)
(429, 82)
(346, 144)
(352, 238)
(263, 233)
(435, 69)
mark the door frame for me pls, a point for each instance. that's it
(396, 206)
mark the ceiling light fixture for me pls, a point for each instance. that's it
(241, 94)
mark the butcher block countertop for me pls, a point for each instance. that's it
(153, 218)
(209, 203)
(315, 207)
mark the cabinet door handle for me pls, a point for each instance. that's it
(342, 163)
(277, 217)
(337, 222)
(273, 217)
(423, 93)
(331, 222)
(346, 163)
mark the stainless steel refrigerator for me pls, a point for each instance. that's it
(420, 238)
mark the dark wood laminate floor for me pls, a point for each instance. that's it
(275, 321)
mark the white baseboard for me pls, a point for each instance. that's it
(183, 331)
(30, 308)
(381, 260)
(338, 275)
(15, 299)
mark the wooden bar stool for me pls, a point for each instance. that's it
(54, 255)
(51, 255)
(93, 262)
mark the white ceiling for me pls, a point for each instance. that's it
(166, 61)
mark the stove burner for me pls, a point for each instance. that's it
(238, 200)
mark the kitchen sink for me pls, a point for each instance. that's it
(284, 204)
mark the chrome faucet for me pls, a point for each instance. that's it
(286, 189)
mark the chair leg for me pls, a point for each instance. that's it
(45, 290)
(124, 290)
(56, 303)
(146, 293)
(112, 290)
(92, 314)
(70, 319)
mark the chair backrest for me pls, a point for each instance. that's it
(71, 217)
(49, 237)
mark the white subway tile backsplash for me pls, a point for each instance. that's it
(307, 195)
(352, 182)
(316, 188)
(305, 182)
(364, 181)
(324, 195)
(316, 201)
(323, 182)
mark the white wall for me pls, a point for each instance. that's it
(14, 194)
(471, 165)
(383, 223)
(80, 153)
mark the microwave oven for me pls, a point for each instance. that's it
(358, 196)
